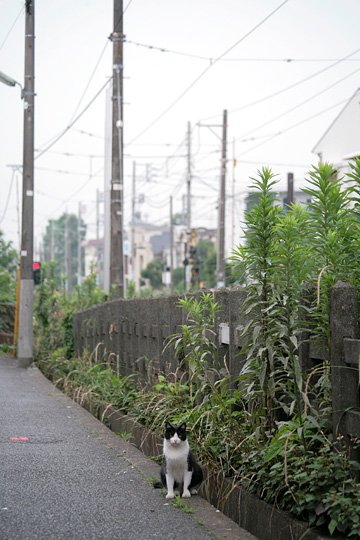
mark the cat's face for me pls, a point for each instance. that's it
(175, 434)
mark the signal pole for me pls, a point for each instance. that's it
(25, 335)
(117, 168)
(220, 258)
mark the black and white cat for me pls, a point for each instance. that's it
(180, 473)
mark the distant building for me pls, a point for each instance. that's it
(281, 198)
(151, 241)
(341, 141)
(94, 259)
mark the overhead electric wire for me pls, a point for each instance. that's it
(286, 88)
(89, 134)
(317, 94)
(293, 126)
(89, 81)
(62, 133)
(70, 154)
(127, 6)
(61, 171)
(204, 71)
(12, 27)
(8, 195)
(68, 199)
(211, 59)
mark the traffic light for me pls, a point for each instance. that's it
(36, 272)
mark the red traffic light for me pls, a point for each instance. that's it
(36, 272)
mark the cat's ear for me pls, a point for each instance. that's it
(168, 425)
(183, 426)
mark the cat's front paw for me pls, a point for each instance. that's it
(170, 496)
(186, 494)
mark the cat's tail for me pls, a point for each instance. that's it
(158, 484)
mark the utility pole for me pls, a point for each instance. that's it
(133, 206)
(171, 244)
(97, 214)
(233, 198)
(290, 189)
(188, 179)
(79, 244)
(51, 240)
(68, 255)
(25, 336)
(117, 184)
(220, 259)
(97, 234)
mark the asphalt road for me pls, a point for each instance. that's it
(64, 475)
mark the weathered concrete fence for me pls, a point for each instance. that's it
(134, 332)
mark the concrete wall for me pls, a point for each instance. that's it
(136, 330)
(134, 333)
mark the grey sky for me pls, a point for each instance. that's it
(71, 39)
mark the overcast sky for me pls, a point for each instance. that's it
(281, 84)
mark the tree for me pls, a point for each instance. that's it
(178, 279)
(153, 272)
(206, 254)
(54, 245)
(8, 266)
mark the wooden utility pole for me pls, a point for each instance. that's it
(25, 336)
(171, 244)
(79, 244)
(97, 232)
(133, 207)
(220, 259)
(97, 214)
(188, 180)
(290, 189)
(51, 240)
(117, 168)
(68, 269)
(233, 197)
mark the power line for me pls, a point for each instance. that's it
(61, 171)
(204, 71)
(11, 28)
(62, 133)
(127, 6)
(211, 59)
(74, 193)
(8, 195)
(89, 134)
(71, 154)
(89, 81)
(290, 87)
(293, 126)
(317, 94)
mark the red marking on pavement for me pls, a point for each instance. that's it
(19, 439)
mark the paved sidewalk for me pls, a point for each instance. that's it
(64, 475)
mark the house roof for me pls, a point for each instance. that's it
(342, 138)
